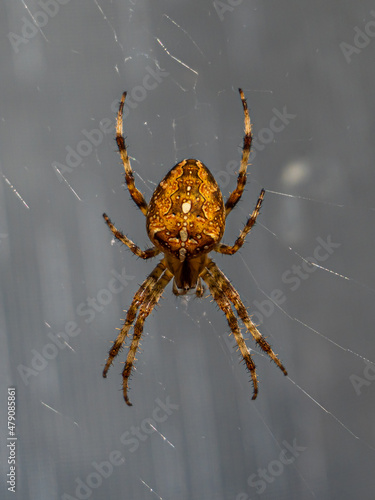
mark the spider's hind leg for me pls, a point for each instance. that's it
(129, 176)
(241, 180)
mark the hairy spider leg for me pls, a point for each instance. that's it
(144, 254)
(224, 304)
(146, 286)
(232, 294)
(153, 295)
(129, 177)
(231, 249)
(241, 180)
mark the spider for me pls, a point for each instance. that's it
(185, 221)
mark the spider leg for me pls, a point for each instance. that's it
(241, 180)
(153, 295)
(149, 282)
(129, 177)
(232, 294)
(229, 250)
(224, 304)
(145, 254)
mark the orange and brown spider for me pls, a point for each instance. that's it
(185, 220)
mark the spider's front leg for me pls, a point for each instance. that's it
(231, 293)
(224, 304)
(149, 282)
(148, 303)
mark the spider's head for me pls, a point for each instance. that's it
(186, 273)
(186, 219)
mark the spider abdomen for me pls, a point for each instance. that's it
(186, 214)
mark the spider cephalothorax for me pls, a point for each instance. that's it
(185, 220)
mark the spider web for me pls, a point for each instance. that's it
(304, 273)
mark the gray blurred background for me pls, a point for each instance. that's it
(307, 69)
